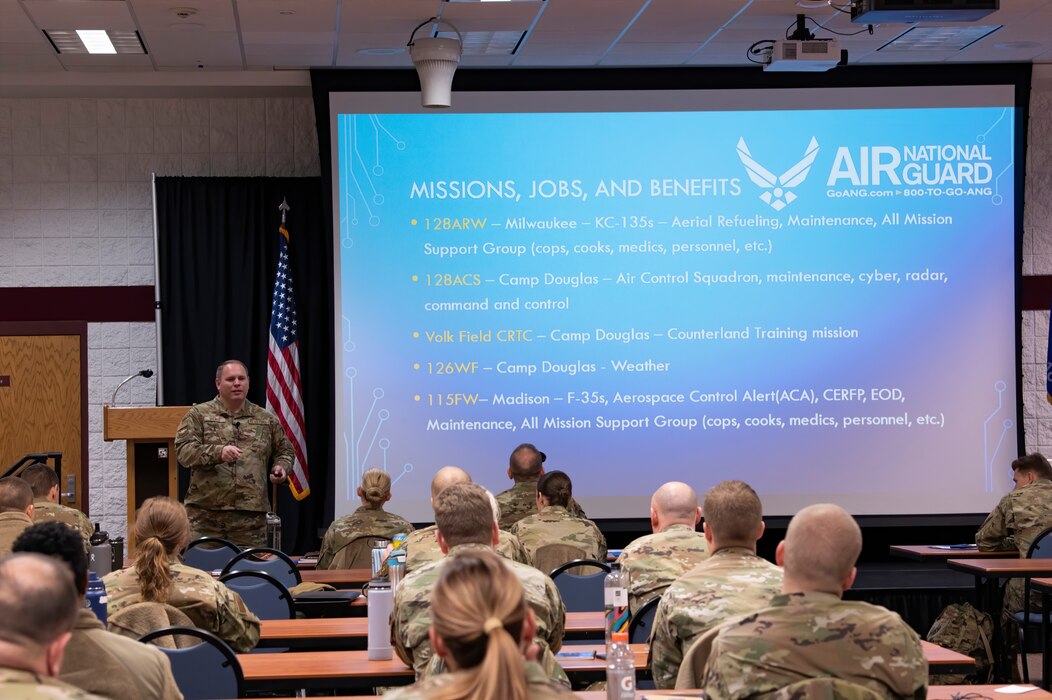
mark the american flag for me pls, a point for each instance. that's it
(284, 399)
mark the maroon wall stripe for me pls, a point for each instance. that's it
(1036, 292)
(91, 304)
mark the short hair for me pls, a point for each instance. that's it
(556, 487)
(822, 543)
(526, 461)
(15, 495)
(446, 477)
(224, 363)
(376, 486)
(1034, 463)
(41, 478)
(733, 512)
(464, 516)
(677, 501)
(38, 601)
(59, 540)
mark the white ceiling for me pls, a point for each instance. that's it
(263, 35)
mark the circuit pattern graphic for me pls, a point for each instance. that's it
(992, 440)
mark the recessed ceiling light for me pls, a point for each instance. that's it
(1018, 45)
(96, 41)
(939, 38)
(382, 51)
(812, 4)
(90, 41)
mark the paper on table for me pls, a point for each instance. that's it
(1015, 689)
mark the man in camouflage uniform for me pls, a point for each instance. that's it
(525, 467)
(465, 523)
(16, 511)
(554, 524)
(731, 582)
(44, 482)
(231, 446)
(38, 604)
(1019, 517)
(655, 561)
(808, 631)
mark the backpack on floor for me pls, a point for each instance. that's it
(964, 629)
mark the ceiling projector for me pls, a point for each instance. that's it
(805, 56)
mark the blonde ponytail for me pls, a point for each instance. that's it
(162, 531)
(478, 609)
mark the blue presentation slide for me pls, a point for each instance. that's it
(818, 302)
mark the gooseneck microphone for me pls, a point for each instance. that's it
(147, 373)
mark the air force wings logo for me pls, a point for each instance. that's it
(776, 188)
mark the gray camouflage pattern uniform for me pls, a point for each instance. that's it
(366, 521)
(521, 500)
(538, 686)
(411, 614)
(555, 524)
(44, 510)
(26, 685)
(654, 561)
(229, 500)
(1019, 517)
(208, 602)
(733, 581)
(421, 547)
(815, 635)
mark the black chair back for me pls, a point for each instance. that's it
(206, 671)
(643, 621)
(277, 564)
(210, 553)
(581, 593)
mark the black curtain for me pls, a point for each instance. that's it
(218, 247)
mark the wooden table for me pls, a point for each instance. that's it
(350, 633)
(352, 669)
(927, 552)
(988, 573)
(338, 578)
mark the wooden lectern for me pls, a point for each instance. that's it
(152, 467)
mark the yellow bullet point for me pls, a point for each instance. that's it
(413, 222)
(416, 398)
(415, 278)
(416, 365)
(416, 334)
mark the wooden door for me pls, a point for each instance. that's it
(43, 400)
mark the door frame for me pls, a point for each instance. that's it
(77, 328)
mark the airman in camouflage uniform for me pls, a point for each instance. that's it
(210, 604)
(521, 500)
(1019, 517)
(538, 686)
(16, 511)
(422, 548)
(809, 632)
(231, 446)
(26, 685)
(366, 521)
(465, 521)
(44, 482)
(731, 582)
(655, 561)
(38, 605)
(553, 523)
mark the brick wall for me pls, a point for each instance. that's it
(77, 210)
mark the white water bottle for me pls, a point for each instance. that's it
(615, 601)
(620, 670)
(381, 600)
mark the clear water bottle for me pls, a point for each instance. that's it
(620, 670)
(96, 596)
(381, 600)
(615, 601)
(274, 531)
